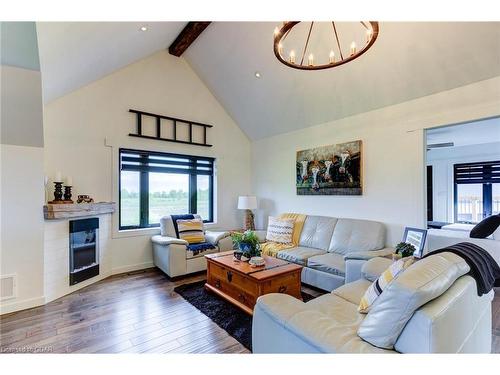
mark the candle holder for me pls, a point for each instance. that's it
(67, 194)
(58, 193)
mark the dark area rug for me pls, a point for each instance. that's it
(227, 316)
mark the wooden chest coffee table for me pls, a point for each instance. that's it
(241, 284)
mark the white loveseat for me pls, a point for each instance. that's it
(332, 250)
(171, 255)
(449, 316)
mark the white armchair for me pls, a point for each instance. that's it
(173, 256)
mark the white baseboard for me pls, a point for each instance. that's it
(131, 267)
(13, 306)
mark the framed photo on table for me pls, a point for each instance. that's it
(415, 237)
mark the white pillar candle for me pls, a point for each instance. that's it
(353, 48)
(58, 177)
(332, 57)
(69, 181)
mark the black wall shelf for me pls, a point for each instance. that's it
(174, 122)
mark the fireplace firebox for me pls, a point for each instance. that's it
(83, 250)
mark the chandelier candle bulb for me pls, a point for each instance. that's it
(311, 60)
(292, 57)
(369, 34)
(353, 48)
(331, 57)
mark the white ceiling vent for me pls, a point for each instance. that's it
(8, 287)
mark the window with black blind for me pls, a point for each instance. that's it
(154, 184)
(477, 191)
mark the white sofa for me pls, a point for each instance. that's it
(332, 250)
(455, 233)
(450, 318)
(171, 255)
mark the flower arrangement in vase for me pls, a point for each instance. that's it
(246, 245)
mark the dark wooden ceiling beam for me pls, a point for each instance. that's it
(186, 37)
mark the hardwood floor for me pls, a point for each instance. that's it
(129, 313)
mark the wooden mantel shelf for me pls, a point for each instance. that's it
(68, 211)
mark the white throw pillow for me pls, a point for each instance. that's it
(279, 230)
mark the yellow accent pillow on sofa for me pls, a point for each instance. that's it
(191, 230)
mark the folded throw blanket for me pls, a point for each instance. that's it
(198, 248)
(272, 248)
(483, 268)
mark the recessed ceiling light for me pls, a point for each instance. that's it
(257, 74)
(144, 28)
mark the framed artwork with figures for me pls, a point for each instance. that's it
(330, 170)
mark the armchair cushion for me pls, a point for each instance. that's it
(214, 237)
(199, 249)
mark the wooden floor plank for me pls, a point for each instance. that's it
(137, 312)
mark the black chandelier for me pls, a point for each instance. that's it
(370, 30)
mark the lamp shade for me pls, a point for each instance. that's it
(247, 202)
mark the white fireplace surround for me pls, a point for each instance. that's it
(56, 257)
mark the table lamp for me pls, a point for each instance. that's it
(248, 203)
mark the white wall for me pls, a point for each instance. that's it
(393, 154)
(85, 129)
(21, 166)
(21, 228)
(442, 161)
(22, 224)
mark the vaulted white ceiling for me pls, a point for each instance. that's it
(409, 60)
(74, 54)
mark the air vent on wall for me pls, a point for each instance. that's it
(440, 145)
(7, 287)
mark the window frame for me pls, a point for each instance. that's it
(144, 169)
(487, 176)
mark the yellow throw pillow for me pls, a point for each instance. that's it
(191, 230)
(378, 286)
